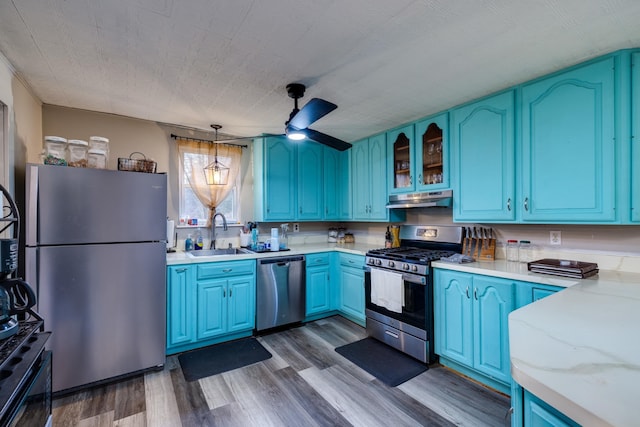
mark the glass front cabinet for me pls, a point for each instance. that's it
(418, 156)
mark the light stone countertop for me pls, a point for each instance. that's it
(578, 349)
(299, 249)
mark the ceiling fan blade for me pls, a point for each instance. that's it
(243, 138)
(312, 111)
(327, 140)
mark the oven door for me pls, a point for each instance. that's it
(33, 404)
(417, 308)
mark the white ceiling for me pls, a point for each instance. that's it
(384, 62)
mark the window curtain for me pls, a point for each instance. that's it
(195, 156)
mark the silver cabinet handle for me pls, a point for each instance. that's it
(300, 209)
(181, 270)
(230, 292)
(227, 270)
(420, 179)
(475, 293)
(467, 292)
(391, 334)
(526, 203)
(509, 204)
(410, 179)
(224, 293)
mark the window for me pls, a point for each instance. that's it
(191, 207)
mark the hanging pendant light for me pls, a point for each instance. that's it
(216, 173)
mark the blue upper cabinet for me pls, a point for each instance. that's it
(309, 182)
(369, 181)
(635, 138)
(568, 146)
(337, 194)
(483, 159)
(432, 153)
(401, 160)
(275, 177)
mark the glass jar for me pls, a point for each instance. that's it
(525, 251)
(512, 250)
(97, 159)
(55, 151)
(100, 143)
(78, 153)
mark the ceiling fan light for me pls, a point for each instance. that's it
(295, 135)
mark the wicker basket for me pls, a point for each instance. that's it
(137, 165)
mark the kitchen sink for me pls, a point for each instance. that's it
(214, 252)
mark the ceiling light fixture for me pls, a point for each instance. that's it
(295, 134)
(216, 173)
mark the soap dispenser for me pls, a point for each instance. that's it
(188, 244)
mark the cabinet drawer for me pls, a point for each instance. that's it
(352, 260)
(317, 259)
(230, 268)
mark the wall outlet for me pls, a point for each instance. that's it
(555, 237)
(296, 227)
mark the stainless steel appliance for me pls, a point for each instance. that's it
(280, 291)
(433, 199)
(409, 328)
(96, 253)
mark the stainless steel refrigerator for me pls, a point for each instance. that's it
(95, 252)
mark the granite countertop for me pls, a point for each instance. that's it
(578, 349)
(300, 249)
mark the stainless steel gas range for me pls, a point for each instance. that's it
(399, 288)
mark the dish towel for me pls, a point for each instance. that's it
(387, 290)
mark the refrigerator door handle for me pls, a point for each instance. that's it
(31, 217)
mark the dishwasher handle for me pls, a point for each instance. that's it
(281, 261)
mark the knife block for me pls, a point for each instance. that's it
(480, 249)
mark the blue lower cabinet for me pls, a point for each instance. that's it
(209, 303)
(352, 287)
(318, 284)
(470, 323)
(537, 413)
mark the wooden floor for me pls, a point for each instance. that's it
(305, 383)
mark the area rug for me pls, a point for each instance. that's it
(383, 362)
(220, 358)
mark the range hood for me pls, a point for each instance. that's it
(431, 199)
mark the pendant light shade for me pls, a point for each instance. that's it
(216, 173)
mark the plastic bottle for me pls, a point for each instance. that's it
(512, 250)
(188, 244)
(199, 242)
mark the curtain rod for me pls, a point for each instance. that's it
(188, 138)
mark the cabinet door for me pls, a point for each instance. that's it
(493, 300)
(279, 179)
(337, 202)
(539, 414)
(483, 160)
(432, 153)
(452, 316)
(212, 308)
(241, 303)
(635, 140)
(378, 178)
(318, 296)
(352, 292)
(180, 309)
(568, 146)
(360, 179)
(401, 160)
(310, 188)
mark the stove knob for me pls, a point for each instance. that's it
(414, 268)
(391, 264)
(378, 262)
(371, 261)
(405, 267)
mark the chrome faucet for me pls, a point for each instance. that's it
(213, 229)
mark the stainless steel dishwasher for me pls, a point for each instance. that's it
(280, 291)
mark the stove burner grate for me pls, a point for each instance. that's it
(410, 254)
(9, 345)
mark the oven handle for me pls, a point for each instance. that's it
(407, 277)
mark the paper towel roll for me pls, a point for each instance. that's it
(171, 242)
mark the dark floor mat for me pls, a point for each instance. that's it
(383, 362)
(220, 358)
